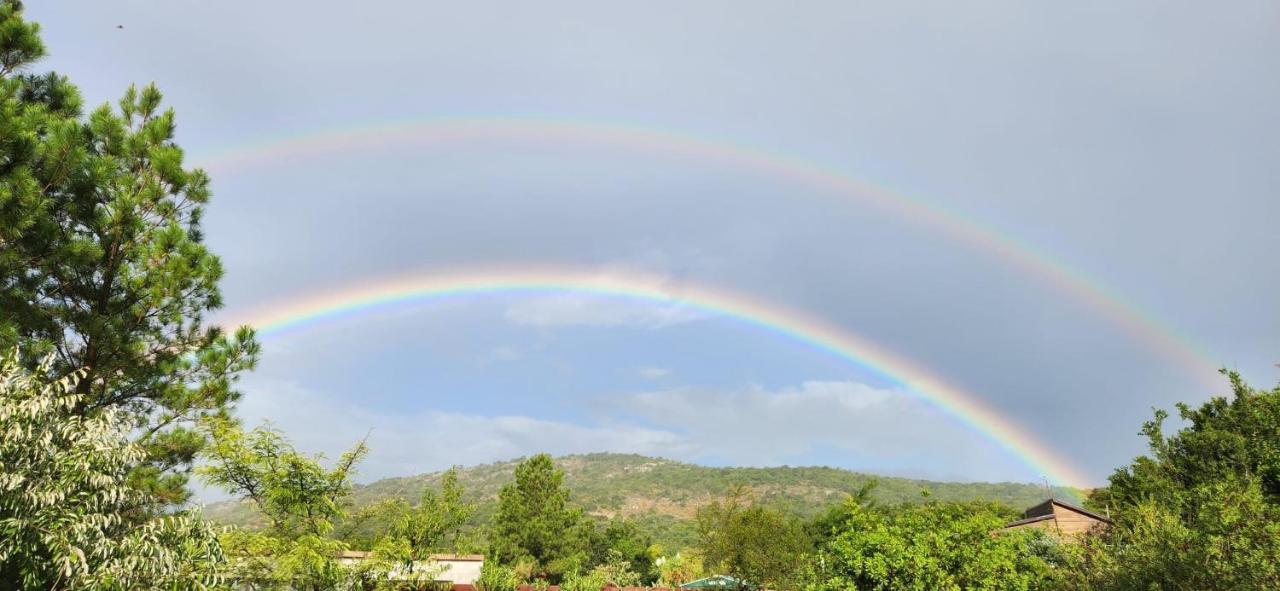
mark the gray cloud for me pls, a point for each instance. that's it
(867, 426)
(596, 311)
(872, 429)
(1134, 142)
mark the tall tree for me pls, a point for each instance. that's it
(535, 523)
(64, 494)
(102, 260)
(1202, 511)
(1226, 437)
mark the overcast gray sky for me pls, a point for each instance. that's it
(1134, 142)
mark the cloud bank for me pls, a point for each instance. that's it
(847, 423)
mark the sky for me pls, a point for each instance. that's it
(1132, 145)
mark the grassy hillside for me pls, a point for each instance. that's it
(664, 494)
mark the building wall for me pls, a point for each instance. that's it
(1072, 523)
(462, 572)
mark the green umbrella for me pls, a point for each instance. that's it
(721, 582)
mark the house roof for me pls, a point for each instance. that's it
(437, 557)
(1045, 509)
(1029, 520)
(718, 582)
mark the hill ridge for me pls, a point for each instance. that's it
(662, 494)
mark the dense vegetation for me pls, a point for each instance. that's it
(68, 511)
(102, 261)
(111, 388)
(663, 496)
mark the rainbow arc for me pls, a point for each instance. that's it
(827, 181)
(965, 407)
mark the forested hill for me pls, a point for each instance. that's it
(664, 494)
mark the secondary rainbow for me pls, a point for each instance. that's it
(451, 131)
(963, 406)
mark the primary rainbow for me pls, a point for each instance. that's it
(449, 131)
(962, 406)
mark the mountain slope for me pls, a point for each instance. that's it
(663, 495)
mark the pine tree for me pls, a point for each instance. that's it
(535, 523)
(102, 261)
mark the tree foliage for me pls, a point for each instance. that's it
(65, 498)
(622, 546)
(301, 500)
(1203, 510)
(535, 523)
(932, 547)
(435, 523)
(751, 542)
(678, 569)
(102, 260)
(496, 577)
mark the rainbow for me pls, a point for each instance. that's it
(450, 131)
(967, 408)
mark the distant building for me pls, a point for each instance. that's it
(718, 583)
(459, 569)
(1060, 519)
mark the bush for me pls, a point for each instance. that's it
(69, 518)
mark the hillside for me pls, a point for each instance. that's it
(662, 495)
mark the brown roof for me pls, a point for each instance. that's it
(1046, 509)
(1029, 520)
(448, 557)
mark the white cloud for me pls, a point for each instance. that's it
(867, 428)
(598, 311)
(653, 373)
(405, 443)
(506, 353)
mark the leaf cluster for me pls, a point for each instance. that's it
(67, 510)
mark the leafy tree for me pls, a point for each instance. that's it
(751, 542)
(411, 533)
(436, 522)
(1224, 439)
(594, 580)
(832, 521)
(617, 571)
(300, 499)
(497, 577)
(679, 569)
(265, 561)
(292, 489)
(621, 541)
(1203, 510)
(935, 546)
(102, 260)
(534, 521)
(64, 494)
